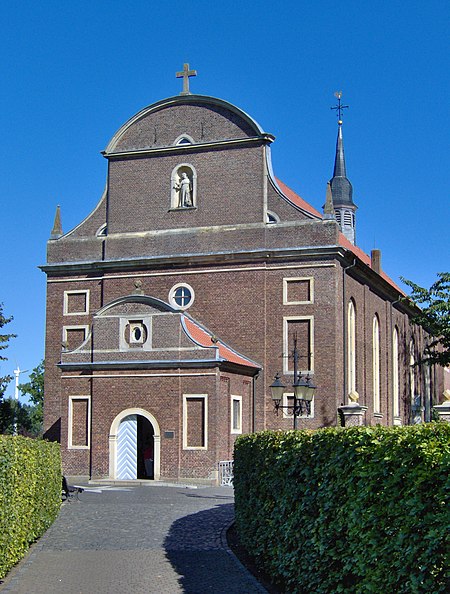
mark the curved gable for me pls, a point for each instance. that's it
(131, 303)
(203, 119)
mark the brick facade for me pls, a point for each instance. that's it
(252, 280)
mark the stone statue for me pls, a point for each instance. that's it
(184, 188)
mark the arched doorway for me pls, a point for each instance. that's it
(134, 432)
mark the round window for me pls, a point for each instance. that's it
(181, 296)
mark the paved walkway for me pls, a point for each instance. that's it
(145, 539)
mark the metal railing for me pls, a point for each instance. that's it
(226, 473)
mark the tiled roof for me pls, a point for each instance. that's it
(343, 241)
(204, 338)
(297, 200)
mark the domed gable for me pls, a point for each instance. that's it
(184, 120)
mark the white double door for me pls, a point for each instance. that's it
(127, 448)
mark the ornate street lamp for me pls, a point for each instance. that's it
(303, 392)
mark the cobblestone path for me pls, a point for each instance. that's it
(144, 539)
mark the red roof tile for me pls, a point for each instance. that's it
(293, 197)
(203, 338)
(343, 241)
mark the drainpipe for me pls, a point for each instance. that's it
(344, 321)
(255, 377)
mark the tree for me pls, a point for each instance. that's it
(35, 391)
(16, 417)
(434, 317)
(4, 381)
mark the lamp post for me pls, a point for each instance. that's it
(303, 391)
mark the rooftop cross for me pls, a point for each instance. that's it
(185, 74)
(339, 107)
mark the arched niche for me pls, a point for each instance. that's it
(183, 184)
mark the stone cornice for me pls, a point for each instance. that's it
(160, 365)
(189, 148)
(190, 260)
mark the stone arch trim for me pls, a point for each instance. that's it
(114, 430)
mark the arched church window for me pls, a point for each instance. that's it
(395, 374)
(351, 348)
(181, 296)
(183, 187)
(376, 364)
(412, 371)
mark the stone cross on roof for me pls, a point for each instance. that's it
(185, 74)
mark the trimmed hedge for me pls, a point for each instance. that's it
(356, 510)
(30, 494)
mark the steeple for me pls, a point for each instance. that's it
(57, 231)
(341, 188)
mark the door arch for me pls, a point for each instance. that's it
(114, 438)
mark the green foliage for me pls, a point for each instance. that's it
(357, 510)
(35, 390)
(25, 419)
(434, 317)
(4, 381)
(30, 494)
(4, 338)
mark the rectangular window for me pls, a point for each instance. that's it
(79, 422)
(236, 414)
(195, 421)
(74, 336)
(76, 302)
(302, 328)
(298, 290)
(288, 400)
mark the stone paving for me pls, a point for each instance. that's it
(145, 539)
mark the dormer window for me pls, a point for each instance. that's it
(183, 139)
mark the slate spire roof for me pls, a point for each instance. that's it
(341, 188)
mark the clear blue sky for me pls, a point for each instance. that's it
(73, 72)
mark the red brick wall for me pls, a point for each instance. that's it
(236, 265)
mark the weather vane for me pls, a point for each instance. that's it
(339, 107)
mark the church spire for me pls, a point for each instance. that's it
(341, 188)
(57, 231)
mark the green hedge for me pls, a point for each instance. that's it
(30, 494)
(357, 510)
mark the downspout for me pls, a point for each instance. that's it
(91, 404)
(255, 377)
(344, 321)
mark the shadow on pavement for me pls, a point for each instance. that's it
(193, 547)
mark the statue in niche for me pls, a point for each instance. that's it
(183, 187)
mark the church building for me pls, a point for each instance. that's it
(174, 304)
